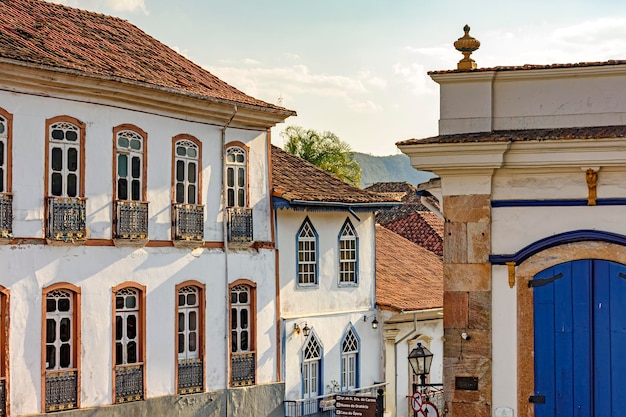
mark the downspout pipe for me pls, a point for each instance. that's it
(426, 203)
(225, 238)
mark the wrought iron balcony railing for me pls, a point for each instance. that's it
(190, 376)
(66, 220)
(188, 223)
(6, 216)
(129, 382)
(61, 390)
(131, 220)
(239, 224)
(243, 367)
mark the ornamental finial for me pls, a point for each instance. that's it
(466, 45)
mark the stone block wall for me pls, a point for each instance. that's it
(467, 303)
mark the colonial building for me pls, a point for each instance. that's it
(325, 237)
(138, 256)
(532, 161)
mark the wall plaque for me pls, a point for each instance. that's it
(468, 383)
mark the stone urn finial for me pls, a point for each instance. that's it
(466, 45)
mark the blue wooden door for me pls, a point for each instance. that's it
(580, 340)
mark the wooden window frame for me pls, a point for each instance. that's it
(144, 152)
(201, 326)
(198, 143)
(141, 289)
(246, 149)
(81, 157)
(252, 319)
(356, 354)
(315, 283)
(76, 328)
(355, 238)
(8, 151)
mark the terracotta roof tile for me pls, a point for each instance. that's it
(566, 133)
(294, 178)
(423, 228)
(533, 67)
(408, 277)
(54, 36)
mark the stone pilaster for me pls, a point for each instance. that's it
(467, 303)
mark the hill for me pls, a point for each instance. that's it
(392, 168)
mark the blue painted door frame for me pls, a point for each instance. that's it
(580, 340)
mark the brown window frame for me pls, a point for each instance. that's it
(8, 151)
(200, 325)
(237, 144)
(144, 151)
(252, 319)
(198, 143)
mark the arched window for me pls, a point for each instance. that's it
(348, 254)
(190, 337)
(6, 199)
(349, 360)
(61, 347)
(242, 328)
(187, 211)
(186, 171)
(306, 242)
(236, 176)
(129, 336)
(312, 354)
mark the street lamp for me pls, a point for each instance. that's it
(420, 359)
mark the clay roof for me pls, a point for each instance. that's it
(533, 67)
(565, 133)
(60, 38)
(408, 277)
(401, 191)
(423, 228)
(295, 179)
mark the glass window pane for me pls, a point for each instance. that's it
(233, 297)
(181, 151)
(72, 159)
(122, 189)
(241, 176)
(65, 330)
(244, 340)
(233, 318)
(65, 356)
(57, 159)
(57, 134)
(241, 202)
(230, 157)
(119, 327)
(181, 300)
(71, 135)
(64, 304)
(51, 304)
(192, 341)
(180, 192)
(122, 142)
(72, 181)
(192, 320)
(1, 180)
(244, 319)
(136, 194)
(192, 152)
(119, 302)
(135, 144)
(231, 197)
(230, 177)
(122, 166)
(131, 350)
(240, 157)
(191, 194)
(191, 172)
(234, 343)
(131, 301)
(119, 353)
(181, 322)
(181, 343)
(1, 152)
(131, 326)
(50, 357)
(1, 126)
(135, 167)
(191, 299)
(180, 171)
(51, 330)
(243, 297)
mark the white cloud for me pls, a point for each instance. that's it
(103, 5)
(183, 52)
(250, 61)
(127, 5)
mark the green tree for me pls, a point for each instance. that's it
(324, 150)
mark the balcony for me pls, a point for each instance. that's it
(65, 222)
(61, 390)
(243, 369)
(188, 225)
(128, 383)
(239, 225)
(324, 405)
(131, 223)
(6, 218)
(190, 376)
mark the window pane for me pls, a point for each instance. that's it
(244, 319)
(64, 304)
(122, 142)
(180, 171)
(230, 157)
(1, 180)
(135, 167)
(119, 302)
(136, 195)
(119, 327)
(180, 150)
(1, 125)
(72, 159)
(181, 300)
(131, 302)
(244, 340)
(71, 136)
(192, 341)
(57, 134)
(135, 144)
(131, 327)
(57, 159)
(122, 189)
(71, 185)
(191, 152)
(1, 152)
(181, 322)
(233, 318)
(234, 342)
(119, 353)
(180, 192)
(191, 299)
(65, 356)
(240, 197)
(51, 330)
(233, 298)
(241, 177)
(231, 197)
(191, 172)
(122, 166)
(50, 357)
(65, 330)
(191, 194)
(51, 305)
(131, 350)
(243, 297)
(230, 177)
(240, 157)
(181, 343)
(192, 320)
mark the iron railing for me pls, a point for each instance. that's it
(129, 382)
(239, 224)
(6, 215)
(190, 376)
(131, 220)
(324, 405)
(61, 390)
(66, 219)
(188, 222)
(243, 369)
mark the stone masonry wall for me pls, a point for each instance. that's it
(467, 303)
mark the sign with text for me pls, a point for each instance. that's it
(355, 406)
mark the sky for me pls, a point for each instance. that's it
(358, 68)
